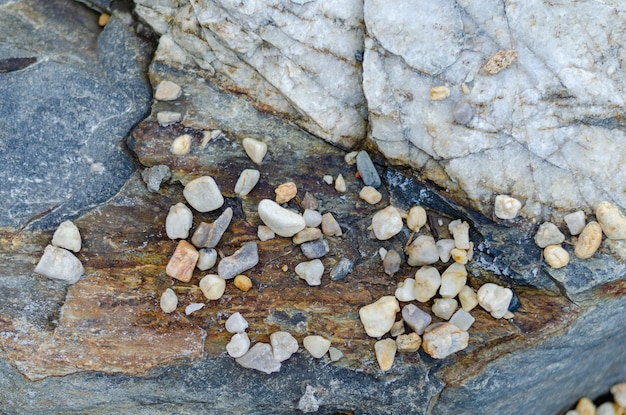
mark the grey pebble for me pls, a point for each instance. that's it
(462, 113)
(315, 249)
(208, 235)
(391, 263)
(343, 268)
(367, 170)
(242, 260)
(154, 176)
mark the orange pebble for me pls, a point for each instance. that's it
(243, 283)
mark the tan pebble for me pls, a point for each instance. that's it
(183, 262)
(255, 149)
(284, 268)
(213, 286)
(589, 240)
(103, 19)
(181, 145)
(370, 195)
(330, 227)
(350, 158)
(306, 235)
(285, 192)
(459, 255)
(438, 93)
(556, 256)
(585, 407)
(242, 282)
(328, 179)
(167, 91)
(464, 88)
(501, 60)
(612, 221)
(416, 218)
(619, 394)
(468, 298)
(340, 184)
(385, 353)
(408, 343)
(264, 233)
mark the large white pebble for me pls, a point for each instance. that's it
(238, 345)
(311, 271)
(67, 236)
(444, 307)
(385, 353)
(316, 345)
(203, 194)
(178, 222)
(612, 220)
(255, 149)
(59, 264)
(282, 221)
(507, 207)
(283, 345)
(442, 339)
(386, 223)
(416, 218)
(460, 233)
(427, 282)
(404, 292)
(378, 317)
(236, 323)
(422, 251)
(494, 299)
(169, 301)
(452, 280)
(246, 182)
(213, 286)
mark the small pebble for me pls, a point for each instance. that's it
(246, 181)
(340, 184)
(556, 256)
(316, 345)
(328, 179)
(167, 91)
(422, 251)
(612, 221)
(341, 269)
(416, 318)
(397, 328)
(238, 345)
(165, 118)
(183, 262)
(416, 218)
(391, 262)
(213, 286)
(330, 227)
(264, 233)
(67, 236)
(309, 202)
(408, 343)
(103, 19)
(255, 149)
(385, 353)
(206, 259)
(404, 292)
(283, 345)
(367, 170)
(350, 158)
(378, 317)
(181, 145)
(155, 175)
(459, 256)
(382, 253)
(311, 271)
(242, 282)
(386, 223)
(203, 194)
(442, 339)
(169, 301)
(619, 394)
(335, 354)
(462, 113)
(437, 93)
(370, 195)
(462, 319)
(494, 299)
(460, 233)
(453, 280)
(285, 192)
(236, 323)
(575, 222)
(444, 307)
(312, 218)
(548, 234)
(507, 207)
(607, 408)
(585, 407)
(260, 357)
(242, 260)
(315, 249)
(282, 221)
(306, 235)
(444, 249)
(209, 235)
(468, 298)
(178, 222)
(501, 60)
(427, 283)
(59, 264)
(193, 307)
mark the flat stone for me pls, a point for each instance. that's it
(309, 202)
(264, 233)
(330, 227)
(385, 353)
(168, 301)
(311, 271)
(440, 340)
(416, 318)
(182, 262)
(246, 181)
(167, 91)
(341, 269)
(548, 234)
(203, 194)
(386, 223)
(154, 176)
(212, 286)
(408, 343)
(315, 249)
(316, 345)
(209, 235)
(282, 221)
(178, 221)
(283, 345)
(67, 236)
(207, 258)
(335, 354)
(260, 357)
(59, 264)
(367, 170)
(378, 317)
(193, 307)
(238, 345)
(242, 260)
(236, 323)
(370, 195)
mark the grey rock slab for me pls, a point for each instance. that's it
(242, 260)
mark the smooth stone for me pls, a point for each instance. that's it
(282, 221)
(212, 286)
(311, 271)
(462, 319)
(507, 207)
(422, 251)
(386, 223)
(255, 149)
(459, 256)
(167, 91)
(165, 118)
(619, 393)
(444, 249)
(370, 195)
(378, 317)
(285, 192)
(193, 307)
(315, 249)
(203, 194)
(330, 226)
(494, 299)
(440, 340)
(341, 269)
(453, 280)
(404, 292)
(206, 259)
(367, 170)
(548, 234)
(382, 253)
(246, 181)
(209, 235)
(236, 323)
(585, 406)
(460, 233)
(155, 175)
(182, 262)
(312, 218)
(260, 357)
(462, 113)
(607, 408)
(444, 307)
(264, 233)
(340, 184)
(575, 222)
(427, 283)
(408, 343)
(468, 298)
(238, 345)
(612, 221)
(178, 221)
(242, 260)
(168, 301)
(416, 318)
(335, 354)
(397, 328)
(242, 282)
(416, 218)
(391, 262)
(307, 235)
(385, 351)
(181, 145)
(67, 236)
(556, 256)
(316, 345)
(283, 345)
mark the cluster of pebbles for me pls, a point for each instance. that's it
(585, 406)
(58, 262)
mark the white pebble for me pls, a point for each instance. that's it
(193, 307)
(370, 195)
(203, 194)
(350, 158)
(619, 394)
(460, 233)
(422, 251)
(328, 179)
(181, 145)
(165, 118)
(548, 234)
(468, 298)
(316, 345)
(169, 301)
(282, 221)
(236, 323)
(264, 233)
(238, 345)
(575, 222)
(167, 91)
(213, 286)
(378, 317)
(404, 292)
(382, 252)
(494, 299)
(416, 218)
(207, 257)
(386, 223)
(444, 307)
(612, 221)
(427, 282)
(444, 249)
(589, 240)
(312, 218)
(311, 271)
(459, 256)
(606, 408)
(246, 181)
(442, 339)
(556, 256)
(452, 280)
(283, 345)
(340, 183)
(330, 227)
(59, 264)
(335, 354)
(507, 207)
(178, 222)
(255, 149)
(462, 319)
(385, 351)
(67, 236)
(416, 318)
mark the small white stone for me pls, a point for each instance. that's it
(350, 158)
(619, 394)
(416, 318)
(203, 194)
(236, 323)
(507, 207)
(416, 218)
(442, 339)
(207, 257)
(246, 182)
(67, 236)
(330, 226)
(312, 218)
(452, 280)
(311, 271)
(283, 345)
(316, 345)
(462, 319)
(167, 91)
(386, 223)
(169, 301)
(548, 234)
(181, 145)
(460, 233)
(459, 256)
(255, 149)
(444, 307)
(378, 317)
(444, 249)
(370, 195)
(178, 222)
(261, 358)
(612, 221)
(422, 251)
(385, 353)
(335, 354)
(468, 298)
(282, 221)
(340, 184)
(382, 252)
(264, 233)
(607, 408)
(213, 286)
(427, 282)
(404, 292)
(238, 345)
(328, 179)
(556, 256)
(494, 299)
(193, 307)
(575, 222)
(59, 264)
(307, 235)
(165, 118)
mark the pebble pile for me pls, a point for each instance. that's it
(57, 262)
(618, 407)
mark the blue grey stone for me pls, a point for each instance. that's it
(367, 170)
(315, 249)
(341, 269)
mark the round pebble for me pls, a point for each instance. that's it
(416, 218)
(238, 345)
(385, 350)
(285, 192)
(386, 223)
(67, 236)
(612, 221)
(427, 283)
(507, 207)
(181, 145)
(556, 256)
(440, 340)
(203, 194)
(59, 264)
(312, 218)
(378, 317)
(246, 181)
(462, 113)
(316, 345)
(213, 286)
(178, 222)
(242, 282)
(282, 221)
(169, 301)
(255, 149)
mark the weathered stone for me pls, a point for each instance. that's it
(341, 269)
(264, 233)
(494, 299)
(468, 298)
(334, 354)
(370, 195)
(415, 318)
(556, 256)
(306, 235)
(391, 262)
(340, 184)
(460, 233)
(242, 260)
(444, 307)
(315, 249)
(246, 182)
(255, 149)
(453, 280)
(404, 292)
(385, 353)
(155, 175)
(427, 282)
(178, 221)
(165, 118)
(238, 345)
(316, 345)
(575, 222)
(444, 249)
(283, 345)
(312, 218)
(261, 358)
(311, 271)
(548, 234)
(422, 251)
(367, 170)
(67, 236)
(182, 262)
(208, 235)
(167, 91)
(397, 328)
(181, 145)
(285, 192)
(408, 343)
(203, 194)
(416, 218)
(612, 220)
(437, 93)
(308, 403)
(59, 264)
(506, 207)
(378, 317)
(282, 221)
(440, 340)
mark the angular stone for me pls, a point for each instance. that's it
(308, 403)
(168, 301)
(367, 170)
(408, 343)
(397, 328)
(316, 345)
(238, 345)
(370, 195)
(264, 233)
(462, 319)
(236, 323)
(612, 220)
(203, 194)
(459, 256)
(307, 235)
(575, 222)
(312, 218)
(246, 181)
(167, 91)
(155, 175)
(427, 282)
(178, 221)
(452, 280)
(468, 298)
(341, 269)
(494, 299)
(255, 149)
(309, 202)
(260, 357)
(334, 354)
(165, 118)
(404, 292)
(315, 249)
(416, 318)
(378, 317)
(386, 223)
(67, 236)
(282, 221)
(59, 264)
(181, 145)
(460, 233)
(283, 345)
(422, 251)
(330, 227)
(212, 286)
(208, 235)
(440, 340)
(444, 249)
(242, 260)
(206, 259)
(285, 192)
(385, 353)
(391, 262)
(548, 234)
(311, 271)
(444, 307)
(507, 207)
(183, 262)
(340, 184)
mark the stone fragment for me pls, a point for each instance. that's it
(206, 259)
(285, 192)
(397, 328)
(183, 261)
(330, 226)
(316, 345)
(382, 252)
(494, 299)
(385, 353)
(165, 118)
(468, 298)
(416, 318)
(350, 158)
(193, 307)
(340, 183)
(507, 207)
(335, 354)
(255, 149)
(246, 181)
(427, 283)
(168, 301)
(386, 223)
(312, 218)
(282, 221)
(548, 234)
(155, 175)
(242, 282)
(307, 235)
(501, 60)
(422, 251)
(260, 357)
(238, 345)
(437, 93)
(462, 319)
(328, 179)
(341, 269)
(67, 236)
(416, 218)
(459, 256)
(283, 345)
(408, 343)
(460, 233)
(442, 339)
(264, 233)
(309, 202)
(213, 286)
(242, 260)
(619, 394)
(367, 170)
(370, 195)
(462, 113)
(59, 264)
(585, 407)
(391, 262)
(181, 145)
(453, 280)
(308, 403)
(315, 249)
(203, 194)
(311, 271)
(575, 222)
(178, 221)
(444, 249)
(236, 323)
(167, 91)
(378, 317)
(404, 292)
(444, 307)
(556, 256)
(208, 235)
(612, 220)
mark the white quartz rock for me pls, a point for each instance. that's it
(386, 223)
(444, 248)
(255, 149)
(442, 339)
(422, 251)
(311, 271)
(168, 301)
(507, 207)
(416, 218)
(59, 264)
(238, 345)
(207, 257)
(236, 323)
(612, 220)
(452, 280)
(575, 222)
(264, 233)
(312, 218)
(67, 236)
(213, 286)
(283, 345)
(494, 299)
(444, 307)
(378, 317)
(193, 307)
(246, 181)
(316, 345)
(462, 319)
(427, 282)
(260, 357)
(282, 221)
(460, 233)
(178, 221)
(619, 394)
(203, 194)
(404, 292)
(548, 234)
